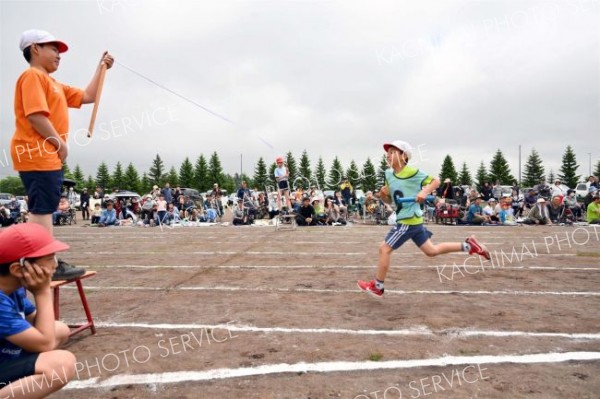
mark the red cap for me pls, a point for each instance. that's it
(279, 159)
(27, 240)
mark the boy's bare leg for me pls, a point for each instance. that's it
(61, 334)
(385, 255)
(44, 220)
(53, 370)
(431, 249)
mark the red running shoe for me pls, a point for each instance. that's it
(477, 248)
(369, 286)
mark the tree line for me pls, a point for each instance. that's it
(204, 172)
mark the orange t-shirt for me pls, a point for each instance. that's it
(38, 92)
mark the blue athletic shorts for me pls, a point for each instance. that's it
(15, 369)
(401, 233)
(43, 190)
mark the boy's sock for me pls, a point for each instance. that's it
(378, 284)
(466, 247)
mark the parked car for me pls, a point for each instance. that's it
(5, 198)
(581, 190)
(328, 193)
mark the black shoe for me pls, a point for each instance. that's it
(65, 271)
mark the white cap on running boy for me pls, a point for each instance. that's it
(402, 146)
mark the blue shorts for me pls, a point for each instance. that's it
(15, 369)
(401, 233)
(43, 190)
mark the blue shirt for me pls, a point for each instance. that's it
(108, 217)
(473, 209)
(13, 309)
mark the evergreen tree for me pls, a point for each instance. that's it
(481, 176)
(353, 174)
(131, 179)
(67, 171)
(215, 171)
(145, 183)
(157, 170)
(499, 170)
(186, 173)
(201, 174)
(320, 173)
(172, 177)
(228, 184)
(369, 176)
(597, 170)
(448, 170)
(260, 174)
(90, 183)
(271, 177)
(465, 176)
(79, 177)
(383, 166)
(551, 177)
(305, 171)
(118, 178)
(335, 175)
(568, 170)
(534, 170)
(291, 165)
(103, 176)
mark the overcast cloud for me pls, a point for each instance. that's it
(333, 77)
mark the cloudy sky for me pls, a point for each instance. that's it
(333, 77)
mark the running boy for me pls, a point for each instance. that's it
(39, 144)
(403, 180)
(282, 177)
(31, 366)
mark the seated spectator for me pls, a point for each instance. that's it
(341, 204)
(63, 209)
(558, 189)
(14, 208)
(539, 213)
(490, 211)
(475, 214)
(299, 194)
(486, 191)
(319, 212)
(274, 208)
(96, 213)
(29, 335)
(371, 203)
(572, 204)
(556, 210)
(507, 215)
(5, 219)
(108, 216)
(305, 214)
(516, 204)
(240, 216)
(593, 210)
(447, 191)
(147, 206)
(332, 213)
(531, 199)
(471, 198)
(172, 215)
(589, 198)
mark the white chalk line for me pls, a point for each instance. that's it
(326, 367)
(414, 331)
(399, 267)
(167, 251)
(337, 291)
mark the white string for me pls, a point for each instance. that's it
(175, 93)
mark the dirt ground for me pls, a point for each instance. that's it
(195, 313)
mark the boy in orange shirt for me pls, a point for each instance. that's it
(39, 144)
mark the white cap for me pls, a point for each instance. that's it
(33, 36)
(402, 146)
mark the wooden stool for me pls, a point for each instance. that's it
(55, 285)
